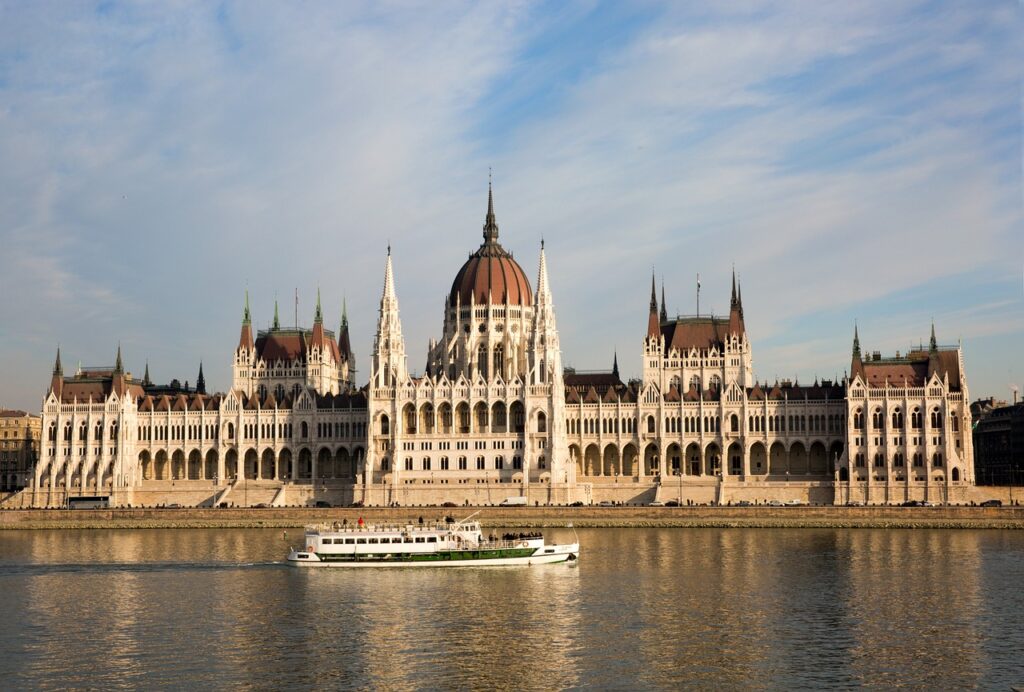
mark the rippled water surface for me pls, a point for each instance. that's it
(644, 608)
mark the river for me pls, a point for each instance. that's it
(642, 609)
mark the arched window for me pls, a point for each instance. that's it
(956, 475)
(385, 426)
(915, 419)
(937, 460)
(897, 419)
(305, 429)
(650, 424)
(481, 360)
(858, 420)
(695, 382)
(542, 422)
(499, 359)
(936, 418)
(715, 383)
(879, 461)
(876, 419)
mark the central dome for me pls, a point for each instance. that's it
(490, 273)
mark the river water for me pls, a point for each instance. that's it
(642, 609)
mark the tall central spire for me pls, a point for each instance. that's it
(490, 223)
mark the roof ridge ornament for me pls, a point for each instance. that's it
(490, 221)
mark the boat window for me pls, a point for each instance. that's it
(361, 541)
(374, 540)
(328, 541)
(432, 539)
(350, 541)
(407, 539)
(419, 539)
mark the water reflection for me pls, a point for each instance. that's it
(647, 608)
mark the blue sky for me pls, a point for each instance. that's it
(854, 161)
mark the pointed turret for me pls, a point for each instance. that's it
(664, 308)
(57, 381)
(245, 337)
(345, 342)
(317, 339)
(615, 365)
(118, 383)
(146, 382)
(277, 318)
(857, 363)
(389, 360)
(545, 352)
(490, 221)
(933, 345)
(736, 325)
(201, 380)
(653, 324)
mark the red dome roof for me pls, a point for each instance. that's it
(487, 276)
(490, 273)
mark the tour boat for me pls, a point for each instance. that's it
(447, 544)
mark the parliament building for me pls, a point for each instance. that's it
(496, 415)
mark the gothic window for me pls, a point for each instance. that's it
(444, 463)
(542, 463)
(542, 422)
(715, 383)
(858, 420)
(937, 460)
(462, 463)
(650, 424)
(305, 429)
(897, 419)
(481, 360)
(385, 426)
(499, 359)
(384, 464)
(480, 463)
(918, 459)
(897, 460)
(936, 418)
(82, 432)
(408, 463)
(499, 462)
(956, 424)
(695, 382)
(426, 463)
(517, 463)
(734, 423)
(279, 392)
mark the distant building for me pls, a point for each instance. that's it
(999, 445)
(19, 448)
(495, 414)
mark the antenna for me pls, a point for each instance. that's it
(296, 307)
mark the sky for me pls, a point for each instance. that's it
(857, 163)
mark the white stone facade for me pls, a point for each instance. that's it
(494, 415)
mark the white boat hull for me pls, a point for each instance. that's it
(545, 555)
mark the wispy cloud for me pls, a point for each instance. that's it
(161, 158)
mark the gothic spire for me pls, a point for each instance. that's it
(118, 367)
(933, 345)
(58, 369)
(615, 364)
(246, 316)
(277, 318)
(734, 303)
(664, 310)
(490, 222)
(856, 342)
(201, 381)
(344, 313)
(653, 325)
(318, 317)
(145, 377)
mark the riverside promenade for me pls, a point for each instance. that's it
(951, 517)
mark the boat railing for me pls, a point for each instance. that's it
(390, 528)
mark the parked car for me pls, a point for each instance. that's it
(656, 503)
(775, 503)
(262, 505)
(578, 503)
(992, 503)
(929, 503)
(322, 503)
(744, 503)
(174, 505)
(794, 503)
(448, 504)
(605, 503)
(357, 503)
(672, 503)
(854, 503)
(912, 503)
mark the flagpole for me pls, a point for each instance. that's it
(698, 294)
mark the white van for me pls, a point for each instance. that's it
(513, 502)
